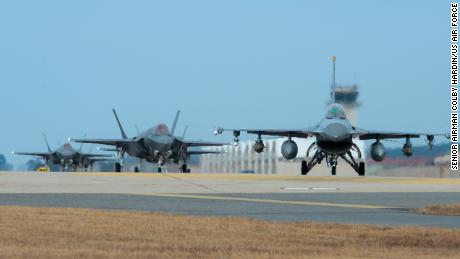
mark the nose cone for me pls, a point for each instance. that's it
(336, 132)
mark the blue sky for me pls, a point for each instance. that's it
(65, 64)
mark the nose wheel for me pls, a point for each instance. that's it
(117, 167)
(184, 169)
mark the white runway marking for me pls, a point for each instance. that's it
(311, 188)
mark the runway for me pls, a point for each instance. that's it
(368, 200)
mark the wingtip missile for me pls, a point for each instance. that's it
(218, 130)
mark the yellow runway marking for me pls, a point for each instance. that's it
(303, 203)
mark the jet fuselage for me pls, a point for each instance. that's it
(335, 131)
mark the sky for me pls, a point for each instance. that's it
(65, 64)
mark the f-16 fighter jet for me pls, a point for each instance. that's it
(333, 136)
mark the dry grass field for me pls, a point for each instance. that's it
(55, 232)
(446, 210)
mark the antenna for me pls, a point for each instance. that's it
(175, 122)
(123, 134)
(333, 58)
(46, 141)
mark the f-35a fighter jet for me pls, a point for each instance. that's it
(156, 145)
(66, 156)
(334, 136)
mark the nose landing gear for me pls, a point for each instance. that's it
(331, 160)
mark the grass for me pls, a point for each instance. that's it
(27, 232)
(445, 210)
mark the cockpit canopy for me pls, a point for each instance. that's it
(335, 111)
(161, 129)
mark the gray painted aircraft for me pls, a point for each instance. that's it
(156, 145)
(334, 138)
(66, 156)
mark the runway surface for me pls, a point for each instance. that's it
(381, 201)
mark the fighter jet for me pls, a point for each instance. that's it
(334, 136)
(65, 156)
(156, 145)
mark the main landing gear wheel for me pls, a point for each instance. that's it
(361, 169)
(117, 167)
(159, 169)
(184, 169)
(334, 170)
(136, 169)
(304, 168)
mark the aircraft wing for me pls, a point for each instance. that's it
(376, 134)
(110, 142)
(297, 133)
(202, 152)
(95, 155)
(95, 159)
(204, 144)
(40, 154)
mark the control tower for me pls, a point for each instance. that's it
(348, 97)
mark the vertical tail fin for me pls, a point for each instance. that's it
(123, 134)
(173, 127)
(333, 58)
(46, 141)
(185, 131)
(81, 145)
